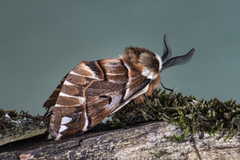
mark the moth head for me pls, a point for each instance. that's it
(149, 61)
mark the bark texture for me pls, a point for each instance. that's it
(146, 141)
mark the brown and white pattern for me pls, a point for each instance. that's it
(93, 90)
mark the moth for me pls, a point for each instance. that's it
(96, 89)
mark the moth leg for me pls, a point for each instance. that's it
(147, 100)
(168, 88)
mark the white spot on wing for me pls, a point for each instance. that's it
(58, 136)
(126, 94)
(114, 74)
(68, 83)
(86, 68)
(66, 120)
(86, 122)
(66, 95)
(129, 81)
(74, 73)
(62, 128)
(81, 100)
(58, 105)
(112, 81)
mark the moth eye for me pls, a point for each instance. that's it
(108, 97)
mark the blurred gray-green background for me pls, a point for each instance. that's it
(41, 41)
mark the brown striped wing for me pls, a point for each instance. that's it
(91, 91)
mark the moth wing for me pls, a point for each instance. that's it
(113, 99)
(91, 91)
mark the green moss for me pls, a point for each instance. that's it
(191, 114)
(160, 153)
(176, 137)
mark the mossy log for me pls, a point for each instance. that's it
(175, 127)
(146, 141)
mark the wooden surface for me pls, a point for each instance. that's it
(145, 141)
